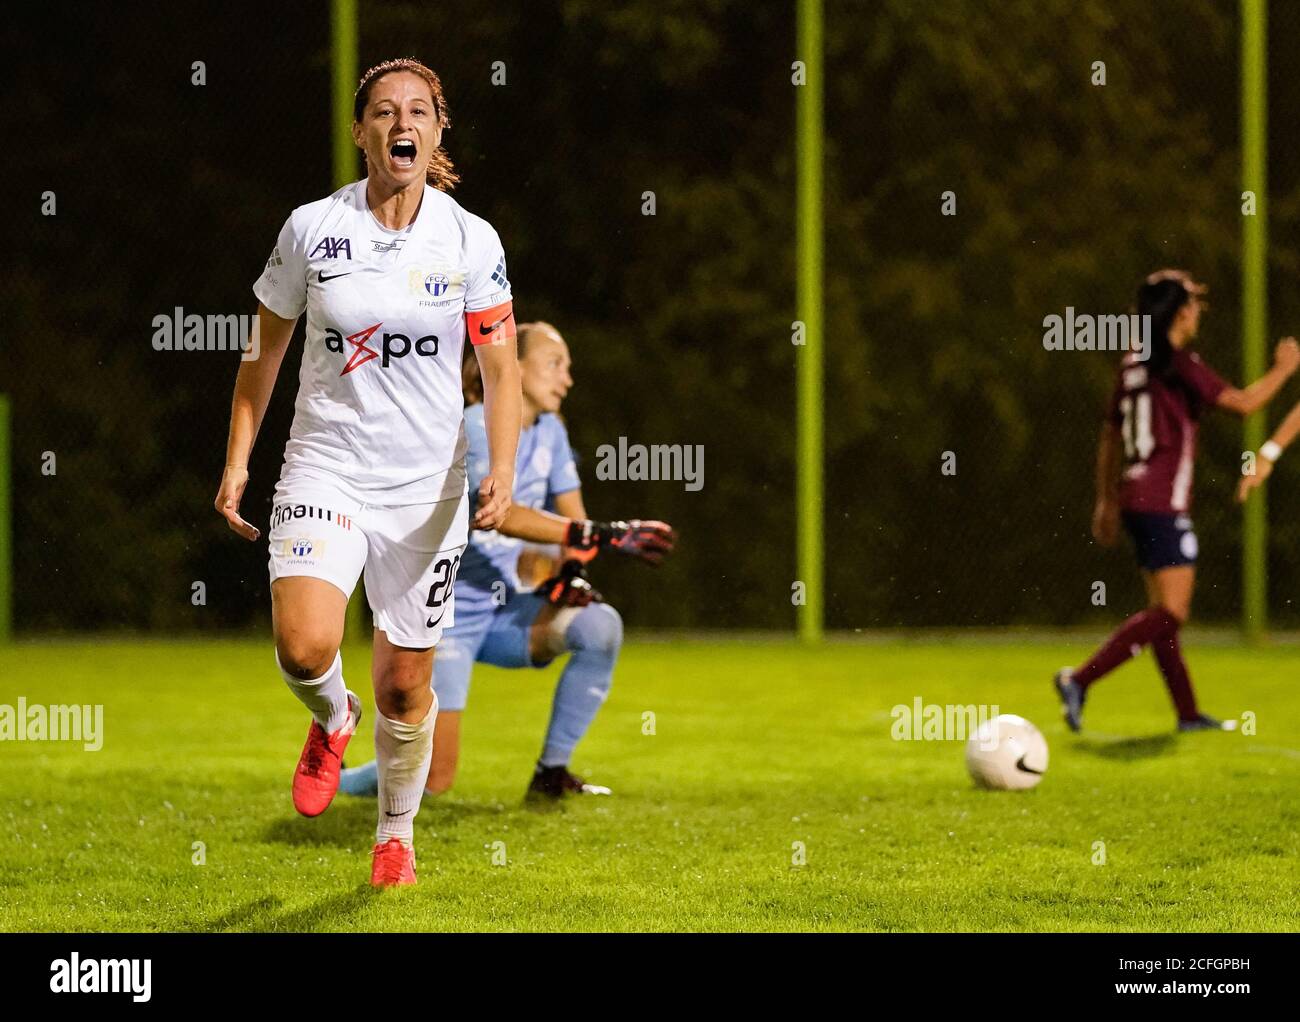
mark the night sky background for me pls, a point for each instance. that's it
(170, 194)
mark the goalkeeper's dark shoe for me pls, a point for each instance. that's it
(1204, 722)
(1072, 696)
(554, 783)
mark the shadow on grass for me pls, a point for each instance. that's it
(238, 917)
(331, 911)
(1144, 747)
(445, 811)
(344, 824)
(350, 819)
(261, 916)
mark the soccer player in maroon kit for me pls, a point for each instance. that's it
(1150, 431)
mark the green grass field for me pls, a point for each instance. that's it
(757, 746)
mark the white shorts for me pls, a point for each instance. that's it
(410, 553)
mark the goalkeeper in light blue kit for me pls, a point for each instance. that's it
(503, 620)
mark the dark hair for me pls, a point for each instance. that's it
(439, 173)
(1161, 295)
(471, 380)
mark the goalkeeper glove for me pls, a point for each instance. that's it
(648, 541)
(570, 588)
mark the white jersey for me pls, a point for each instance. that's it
(380, 410)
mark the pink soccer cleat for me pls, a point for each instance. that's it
(317, 778)
(392, 864)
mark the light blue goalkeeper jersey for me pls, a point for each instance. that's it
(544, 468)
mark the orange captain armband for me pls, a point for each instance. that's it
(491, 326)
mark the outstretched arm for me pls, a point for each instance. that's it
(1286, 359)
(1286, 431)
(253, 388)
(533, 525)
(1268, 454)
(647, 541)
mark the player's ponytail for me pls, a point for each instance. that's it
(440, 174)
(1160, 297)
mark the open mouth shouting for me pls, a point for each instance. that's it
(402, 154)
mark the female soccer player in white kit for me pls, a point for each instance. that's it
(392, 274)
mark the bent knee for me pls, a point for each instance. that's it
(399, 693)
(305, 656)
(598, 626)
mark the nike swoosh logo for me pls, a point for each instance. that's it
(485, 330)
(1020, 765)
(322, 278)
(433, 621)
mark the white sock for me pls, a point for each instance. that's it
(403, 753)
(326, 696)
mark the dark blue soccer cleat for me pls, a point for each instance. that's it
(1205, 722)
(1072, 695)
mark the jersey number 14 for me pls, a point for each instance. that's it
(1139, 441)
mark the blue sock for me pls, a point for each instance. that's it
(362, 780)
(594, 638)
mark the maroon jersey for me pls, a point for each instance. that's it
(1157, 417)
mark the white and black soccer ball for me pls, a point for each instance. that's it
(1008, 753)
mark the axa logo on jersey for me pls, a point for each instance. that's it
(392, 346)
(329, 248)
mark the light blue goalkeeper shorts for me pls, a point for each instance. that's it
(483, 633)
